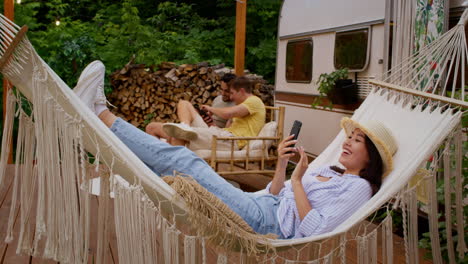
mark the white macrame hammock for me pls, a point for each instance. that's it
(51, 171)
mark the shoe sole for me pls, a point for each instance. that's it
(177, 132)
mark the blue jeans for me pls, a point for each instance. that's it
(259, 211)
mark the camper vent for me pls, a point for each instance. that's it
(363, 86)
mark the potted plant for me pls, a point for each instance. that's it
(337, 87)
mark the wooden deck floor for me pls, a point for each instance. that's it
(8, 255)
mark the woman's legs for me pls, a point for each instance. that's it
(258, 211)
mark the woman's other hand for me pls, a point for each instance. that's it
(302, 201)
(301, 166)
(285, 149)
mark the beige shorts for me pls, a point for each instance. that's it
(205, 136)
(198, 122)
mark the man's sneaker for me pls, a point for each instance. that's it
(180, 131)
(90, 87)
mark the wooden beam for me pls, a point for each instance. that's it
(239, 51)
(9, 8)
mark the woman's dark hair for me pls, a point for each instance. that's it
(374, 170)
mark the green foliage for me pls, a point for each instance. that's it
(326, 84)
(397, 219)
(149, 118)
(153, 31)
(68, 48)
(458, 95)
(262, 21)
(326, 81)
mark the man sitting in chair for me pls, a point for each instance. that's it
(248, 118)
(184, 106)
(222, 100)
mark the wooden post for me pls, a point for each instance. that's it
(9, 7)
(239, 52)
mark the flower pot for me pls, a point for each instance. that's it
(344, 92)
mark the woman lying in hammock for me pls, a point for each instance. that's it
(309, 204)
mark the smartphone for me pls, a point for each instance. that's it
(296, 128)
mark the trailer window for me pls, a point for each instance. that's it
(351, 49)
(299, 61)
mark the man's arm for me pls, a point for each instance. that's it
(228, 112)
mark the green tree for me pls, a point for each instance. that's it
(155, 31)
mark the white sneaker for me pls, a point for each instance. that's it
(101, 96)
(180, 131)
(90, 87)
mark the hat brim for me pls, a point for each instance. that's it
(350, 125)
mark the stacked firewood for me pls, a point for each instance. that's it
(142, 94)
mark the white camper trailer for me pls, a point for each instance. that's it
(319, 36)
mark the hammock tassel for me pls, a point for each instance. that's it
(222, 259)
(127, 207)
(448, 201)
(372, 246)
(404, 211)
(461, 247)
(433, 215)
(413, 226)
(328, 259)
(343, 248)
(362, 248)
(170, 243)
(103, 218)
(20, 149)
(28, 190)
(7, 133)
(387, 239)
(190, 249)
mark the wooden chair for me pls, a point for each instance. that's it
(254, 157)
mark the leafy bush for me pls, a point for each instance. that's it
(155, 31)
(326, 81)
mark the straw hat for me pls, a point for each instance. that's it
(380, 135)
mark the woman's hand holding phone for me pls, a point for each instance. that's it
(286, 149)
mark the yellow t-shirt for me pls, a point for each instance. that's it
(249, 126)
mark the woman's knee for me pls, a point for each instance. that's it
(183, 104)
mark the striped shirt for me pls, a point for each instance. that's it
(332, 202)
